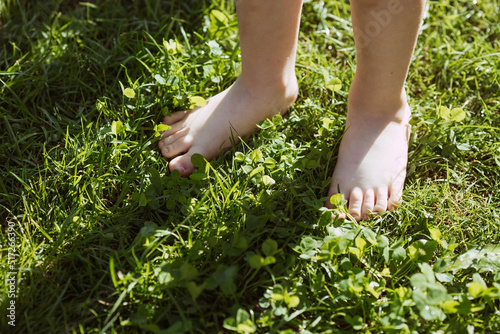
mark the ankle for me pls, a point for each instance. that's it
(282, 89)
(379, 103)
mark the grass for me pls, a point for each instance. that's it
(108, 240)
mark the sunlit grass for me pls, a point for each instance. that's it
(110, 241)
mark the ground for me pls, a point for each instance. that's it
(102, 237)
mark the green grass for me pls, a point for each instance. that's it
(108, 240)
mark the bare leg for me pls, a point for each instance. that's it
(267, 85)
(371, 167)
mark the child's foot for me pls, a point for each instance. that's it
(231, 114)
(371, 166)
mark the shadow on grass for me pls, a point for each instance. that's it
(57, 58)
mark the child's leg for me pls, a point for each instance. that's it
(371, 166)
(266, 86)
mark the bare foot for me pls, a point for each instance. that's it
(231, 114)
(371, 166)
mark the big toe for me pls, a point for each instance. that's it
(183, 163)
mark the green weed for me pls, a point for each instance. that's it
(108, 240)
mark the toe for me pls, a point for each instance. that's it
(368, 203)
(355, 203)
(338, 215)
(176, 144)
(175, 127)
(380, 200)
(333, 190)
(183, 163)
(169, 139)
(175, 117)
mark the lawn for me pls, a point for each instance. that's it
(99, 237)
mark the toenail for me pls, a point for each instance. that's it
(180, 168)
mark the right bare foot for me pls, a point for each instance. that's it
(371, 167)
(234, 113)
